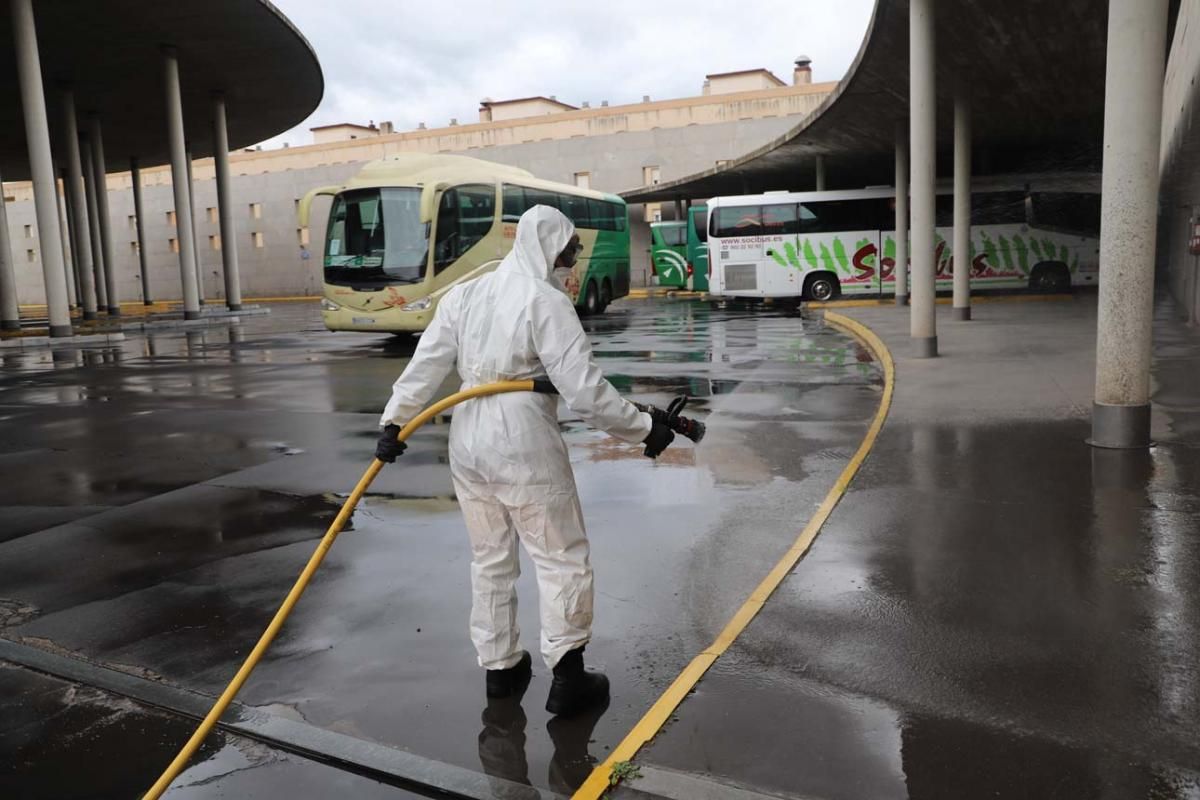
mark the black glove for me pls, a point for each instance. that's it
(389, 446)
(659, 439)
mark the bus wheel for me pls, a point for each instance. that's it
(591, 300)
(1050, 277)
(605, 295)
(821, 287)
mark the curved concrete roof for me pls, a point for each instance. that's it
(111, 54)
(1034, 71)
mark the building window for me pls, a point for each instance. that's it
(302, 235)
(31, 255)
(212, 215)
(171, 218)
(214, 242)
(651, 175)
(653, 212)
(257, 238)
(174, 245)
(28, 231)
(256, 211)
(583, 180)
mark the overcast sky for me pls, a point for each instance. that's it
(430, 61)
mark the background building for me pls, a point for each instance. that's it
(610, 148)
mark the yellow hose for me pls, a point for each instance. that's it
(235, 685)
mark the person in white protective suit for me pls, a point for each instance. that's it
(508, 460)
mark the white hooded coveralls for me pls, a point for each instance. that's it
(507, 458)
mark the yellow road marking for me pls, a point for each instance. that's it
(651, 723)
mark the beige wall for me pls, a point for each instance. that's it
(741, 82)
(520, 109)
(342, 133)
(783, 101)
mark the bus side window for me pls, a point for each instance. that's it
(620, 216)
(576, 209)
(465, 215)
(514, 202)
(540, 197)
(595, 214)
(738, 221)
(784, 219)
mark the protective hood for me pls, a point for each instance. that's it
(542, 233)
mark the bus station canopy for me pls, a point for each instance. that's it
(1033, 70)
(111, 54)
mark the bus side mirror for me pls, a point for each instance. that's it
(302, 212)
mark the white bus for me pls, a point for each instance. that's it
(819, 245)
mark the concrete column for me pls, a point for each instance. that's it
(820, 169)
(10, 312)
(179, 183)
(77, 218)
(1128, 217)
(962, 205)
(901, 213)
(229, 256)
(135, 175)
(922, 132)
(93, 218)
(68, 251)
(678, 208)
(192, 206)
(103, 220)
(41, 166)
(72, 243)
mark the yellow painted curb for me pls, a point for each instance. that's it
(649, 725)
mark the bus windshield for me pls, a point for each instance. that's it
(376, 235)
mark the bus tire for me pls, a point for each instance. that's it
(1050, 277)
(606, 294)
(591, 300)
(821, 286)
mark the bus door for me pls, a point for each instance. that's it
(697, 247)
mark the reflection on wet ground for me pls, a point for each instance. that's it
(166, 491)
(995, 609)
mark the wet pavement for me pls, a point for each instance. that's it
(994, 609)
(163, 493)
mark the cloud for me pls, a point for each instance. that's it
(432, 61)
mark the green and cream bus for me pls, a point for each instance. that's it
(668, 253)
(407, 228)
(818, 245)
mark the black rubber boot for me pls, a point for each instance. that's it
(574, 689)
(507, 682)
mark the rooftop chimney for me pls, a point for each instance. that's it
(604, 104)
(420, 126)
(645, 98)
(453, 121)
(386, 128)
(586, 104)
(802, 74)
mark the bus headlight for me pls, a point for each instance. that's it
(329, 305)
(418, 305)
